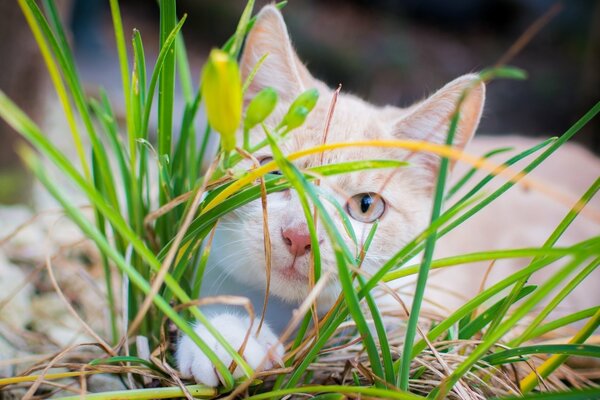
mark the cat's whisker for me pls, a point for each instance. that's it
(233, 242)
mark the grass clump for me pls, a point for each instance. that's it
(153, 236)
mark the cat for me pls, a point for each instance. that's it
(400, 201)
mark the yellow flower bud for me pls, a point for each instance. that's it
(222, 94)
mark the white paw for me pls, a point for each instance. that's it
(192, 362)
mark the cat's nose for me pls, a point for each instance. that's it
(297, 239)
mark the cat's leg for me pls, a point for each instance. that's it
(192, 362)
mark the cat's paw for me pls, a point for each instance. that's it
(192, 362)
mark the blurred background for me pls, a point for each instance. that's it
(389, 52)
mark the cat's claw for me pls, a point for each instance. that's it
(192, 362)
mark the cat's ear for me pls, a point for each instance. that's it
(281, 70)
(430, 120)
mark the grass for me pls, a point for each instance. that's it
(463, 355)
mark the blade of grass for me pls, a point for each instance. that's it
(571, 394)
(240, 31)
(563, 321)
(166, 97)
(123, 64)
(368, 392)
(185, 151)
(168, 23)
(514, 355)
(108, 282)
(197, 391)
(28, 10)
(229, 43)
(386, 353)
(125, 359)
(156, 73)
(413, 319)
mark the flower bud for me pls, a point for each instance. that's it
(300, 109)
(222, 94)
(294, 118)
(261, 106)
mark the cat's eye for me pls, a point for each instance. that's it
(265, 160)
(366, 207)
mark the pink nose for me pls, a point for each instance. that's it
(297, 240)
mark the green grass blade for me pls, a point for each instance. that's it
(140, 62)
(185, 150)
(33, 16)
(572, 394)
(413, 319)
(515, 355)
(156, 73)
(384, 345)
(108, 281)
(166, 96)
(168, 22)
(183, 69)
(61, 37)
(386, 354)
(229, 43)
(367, 392)
(173, 392)
(123, 64)
(353, 166)
(560, 322)
(124, 359)
(348, 228)
(468, 258)
(240, 31)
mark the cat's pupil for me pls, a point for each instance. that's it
(365, 203)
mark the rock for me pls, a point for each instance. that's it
(16, 310)
(104, 383)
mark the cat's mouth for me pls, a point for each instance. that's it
(291, 274)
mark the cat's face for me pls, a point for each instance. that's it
(400, 199)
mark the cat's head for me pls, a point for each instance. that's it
(400, 199)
